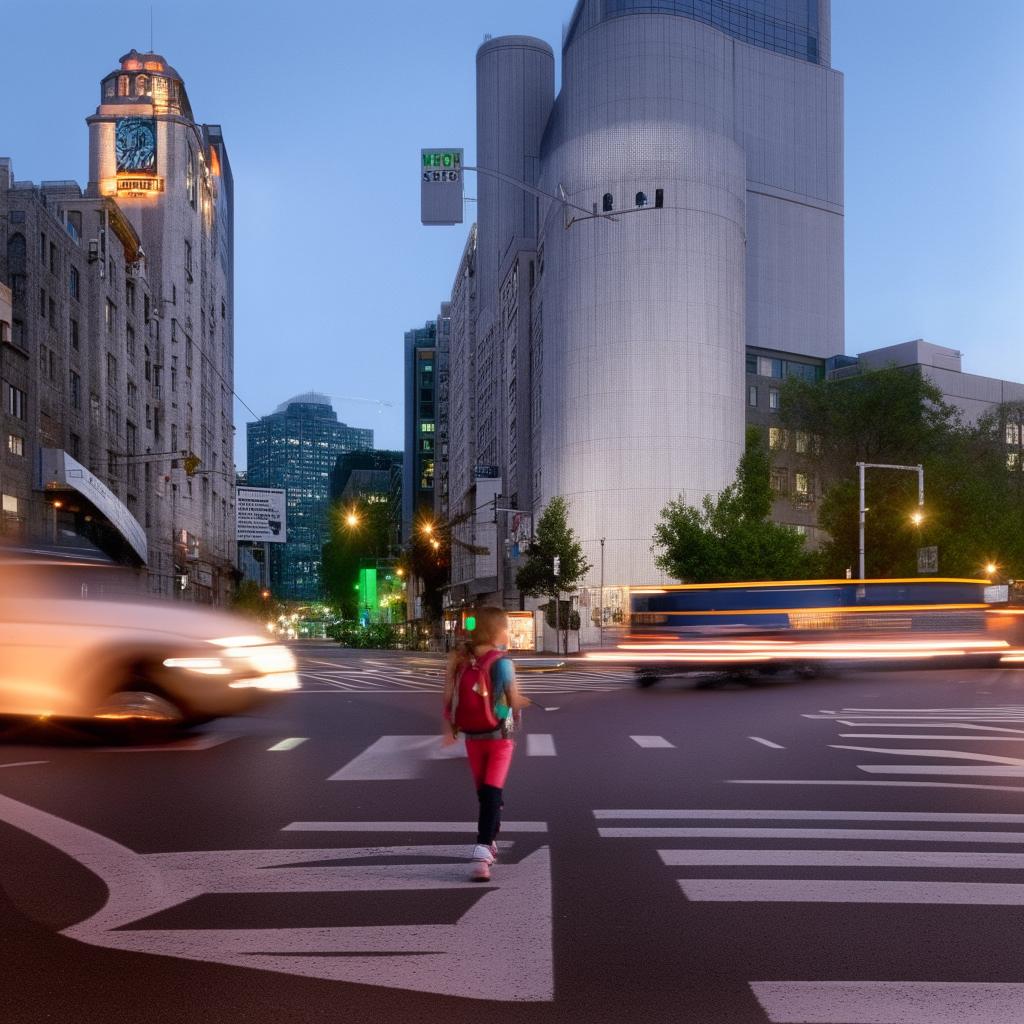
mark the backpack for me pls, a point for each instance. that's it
(473, 703)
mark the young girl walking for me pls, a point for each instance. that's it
(482, 702)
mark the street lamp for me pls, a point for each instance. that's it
(352, 519)
(601, 602)
(991, 569)
(917, 518)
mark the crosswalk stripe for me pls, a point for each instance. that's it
(842, 834)
(768, 815)
(767, 743)
(925, 736)
(816, 890)
(652, 742)
(890, 1002)
(408, 826)
(540, 744)
(877, 783)
(842, 859)
(994, 771)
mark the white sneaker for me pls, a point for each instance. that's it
(481, 871)
(484, 853)
(494, 851)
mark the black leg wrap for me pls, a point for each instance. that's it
(490, 814)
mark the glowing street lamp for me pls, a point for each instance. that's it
(428, 529)
(352, 519)
(917, 518)
(991, 568)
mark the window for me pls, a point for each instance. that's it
(51, 311)
(190, 179)
(53, 258)
(145, 308)
(16, 445)
(773, 398)
(1013, 433)
(780, 480)
(752, 395)
(42, 246)
(174, 373)
(1013, 460)
(130, 341)
(122, 85)
(76, 391)
(17, 216)
(778, 439)
(129, 295)
(76, 445)
(802, 441)
(133, 395)
(769, 367)
(73, 332)
(18, 334)
(42, 302)
(426, 428)
(74, 283)
(14, 401)
(111, 368)
(110, 315)
(174, 437)
(9, 503)
(188, 260)
(801, 484)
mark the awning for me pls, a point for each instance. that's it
(56, 471)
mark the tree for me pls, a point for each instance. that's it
(730, 538)
(360, 530)
(553, 538)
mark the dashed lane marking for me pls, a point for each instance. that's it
(539, 744)
(767, 743)
(652, 742)
(408, 826)
(21, 764)
(289, 744)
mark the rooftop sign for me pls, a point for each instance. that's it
(441, 186)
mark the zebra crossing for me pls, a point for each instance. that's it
(389, 675)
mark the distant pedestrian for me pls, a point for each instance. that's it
(482, 702)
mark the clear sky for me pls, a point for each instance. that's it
(325, 106)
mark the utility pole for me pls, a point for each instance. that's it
(557, 565)
(601, 601)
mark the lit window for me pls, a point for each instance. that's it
(802, 441)
(780, 480)
(752, 395)
(122, 85)
(773, 398)
(16, 444)
(1013, 433)
(10, 504)
(801, 484)
(776, 438)
(1013, 460)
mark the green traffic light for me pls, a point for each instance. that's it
(470, 623)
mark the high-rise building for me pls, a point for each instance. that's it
(698, 145)
(296, 447)
(420, 424)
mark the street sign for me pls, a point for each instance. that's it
(441, 186)
(927, 559)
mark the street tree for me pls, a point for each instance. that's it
(730, 538)
(554, 539)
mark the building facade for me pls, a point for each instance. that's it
(297, 447)
(119, 369)
(698, 148)
(420, 425)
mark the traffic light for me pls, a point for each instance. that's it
(608, 202)
(191, 463)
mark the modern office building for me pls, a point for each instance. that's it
(698, 145)
(420, 424)
(365, 474)
(297, 447)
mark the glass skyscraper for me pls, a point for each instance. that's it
(296, 447)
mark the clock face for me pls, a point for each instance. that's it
(136, 144)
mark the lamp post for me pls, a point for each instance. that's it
(600, 620)
(917, 517)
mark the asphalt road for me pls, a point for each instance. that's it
(840, 850)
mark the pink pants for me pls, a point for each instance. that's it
(489, 761)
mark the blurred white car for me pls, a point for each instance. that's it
(70, 648)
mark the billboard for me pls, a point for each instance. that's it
(441, 186)
(261, 515)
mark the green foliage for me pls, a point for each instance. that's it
(974, 502)
(248, 600)
(553, 538)
(730, 538)
(378, 636)
(567, 616)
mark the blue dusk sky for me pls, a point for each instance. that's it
(325, 107)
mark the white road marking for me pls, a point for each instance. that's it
(919, 736)
(767, 743)
(842, 834)
(450, 959)
(842, 859)
(956, 755)
(889, 1002)
(540, 744)
(396, 757)
(652, 742)
(818, 890)
(21, 764)
(289, 744)
(408, 826)
(873, 782)
(770, 815)
(994, 772)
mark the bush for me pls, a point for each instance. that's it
(378, 636)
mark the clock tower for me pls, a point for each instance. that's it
(172, 179)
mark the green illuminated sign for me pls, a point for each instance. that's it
(470, 623)
(442, 158)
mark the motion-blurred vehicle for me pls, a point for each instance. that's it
(74, 644)
(761, 628)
